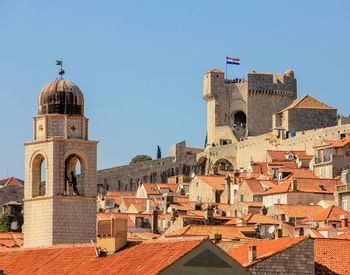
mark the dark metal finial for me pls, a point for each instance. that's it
(61, 71)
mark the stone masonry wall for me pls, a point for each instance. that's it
(126, 178)
(298, 259)
(307, 119)
(74, 219)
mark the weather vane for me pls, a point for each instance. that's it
(61, 71)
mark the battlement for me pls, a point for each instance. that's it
(262, 82)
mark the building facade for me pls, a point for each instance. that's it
(59, 208)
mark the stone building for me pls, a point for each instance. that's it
(59, 209)
(247, 117)
(127, 178)
(244, 107)
(303, 114)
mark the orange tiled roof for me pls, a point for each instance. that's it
(254, 218)
(341, 142)
(280, 156)
(314, 233)
(10, 240)
(171, 186)
(332, 255)
(254, 185)
(298, 211)
(331, 213)
(11, 181)
(299, 172)
(259, 168)
(342, 236)
(217, 182)
(251, 203)
(286, 164)
(148, 257)
(227, 232)
(306, 185)
(151, 188)
(308, 102)
(264, 249)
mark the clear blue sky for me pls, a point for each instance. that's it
(140, 63)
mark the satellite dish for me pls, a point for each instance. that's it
(271, 229)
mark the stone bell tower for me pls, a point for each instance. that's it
(60, 207)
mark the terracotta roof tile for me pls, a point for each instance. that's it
(10, 239)
(297, 211)
(254, 185)
(331, 213)
(264, 249)
(254, 218)
(332, 255)
(341, 143)
(308, 102)
(217, 182)
(148, 257)
(12, 181)
(227, 232)
(306, 185)
(342, 236)
(151, 188)
(280, 156)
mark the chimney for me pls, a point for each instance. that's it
(155, 222)
(111, 234)
(294, 185)
(278, 233)
(344, 221)
(251, 253)
(228, 188)
(298, 231)
(345, 176)
(208, 214)
(215, 237)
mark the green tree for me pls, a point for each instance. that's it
(140, 158)
(159, 152)
(5, 223)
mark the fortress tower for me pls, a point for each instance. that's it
(58, 208)
(241, 108)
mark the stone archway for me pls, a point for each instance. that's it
(38, 175)
(201, 166)
(75, 168)
(222, 166)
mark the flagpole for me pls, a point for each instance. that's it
(226, 69)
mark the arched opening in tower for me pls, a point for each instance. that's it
(74, 176)
(39, 176)
(239, 125)
(240, 119)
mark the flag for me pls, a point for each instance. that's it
(234, 61)
(59, 62)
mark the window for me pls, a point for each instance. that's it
(241, 197)
(321, 173)
(327, 172)
(344, 204)
(139, 222)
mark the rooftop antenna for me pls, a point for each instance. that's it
(61, 71)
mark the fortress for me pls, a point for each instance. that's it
(246, 117)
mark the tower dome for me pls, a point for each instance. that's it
(61, 97)
(289, 73)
